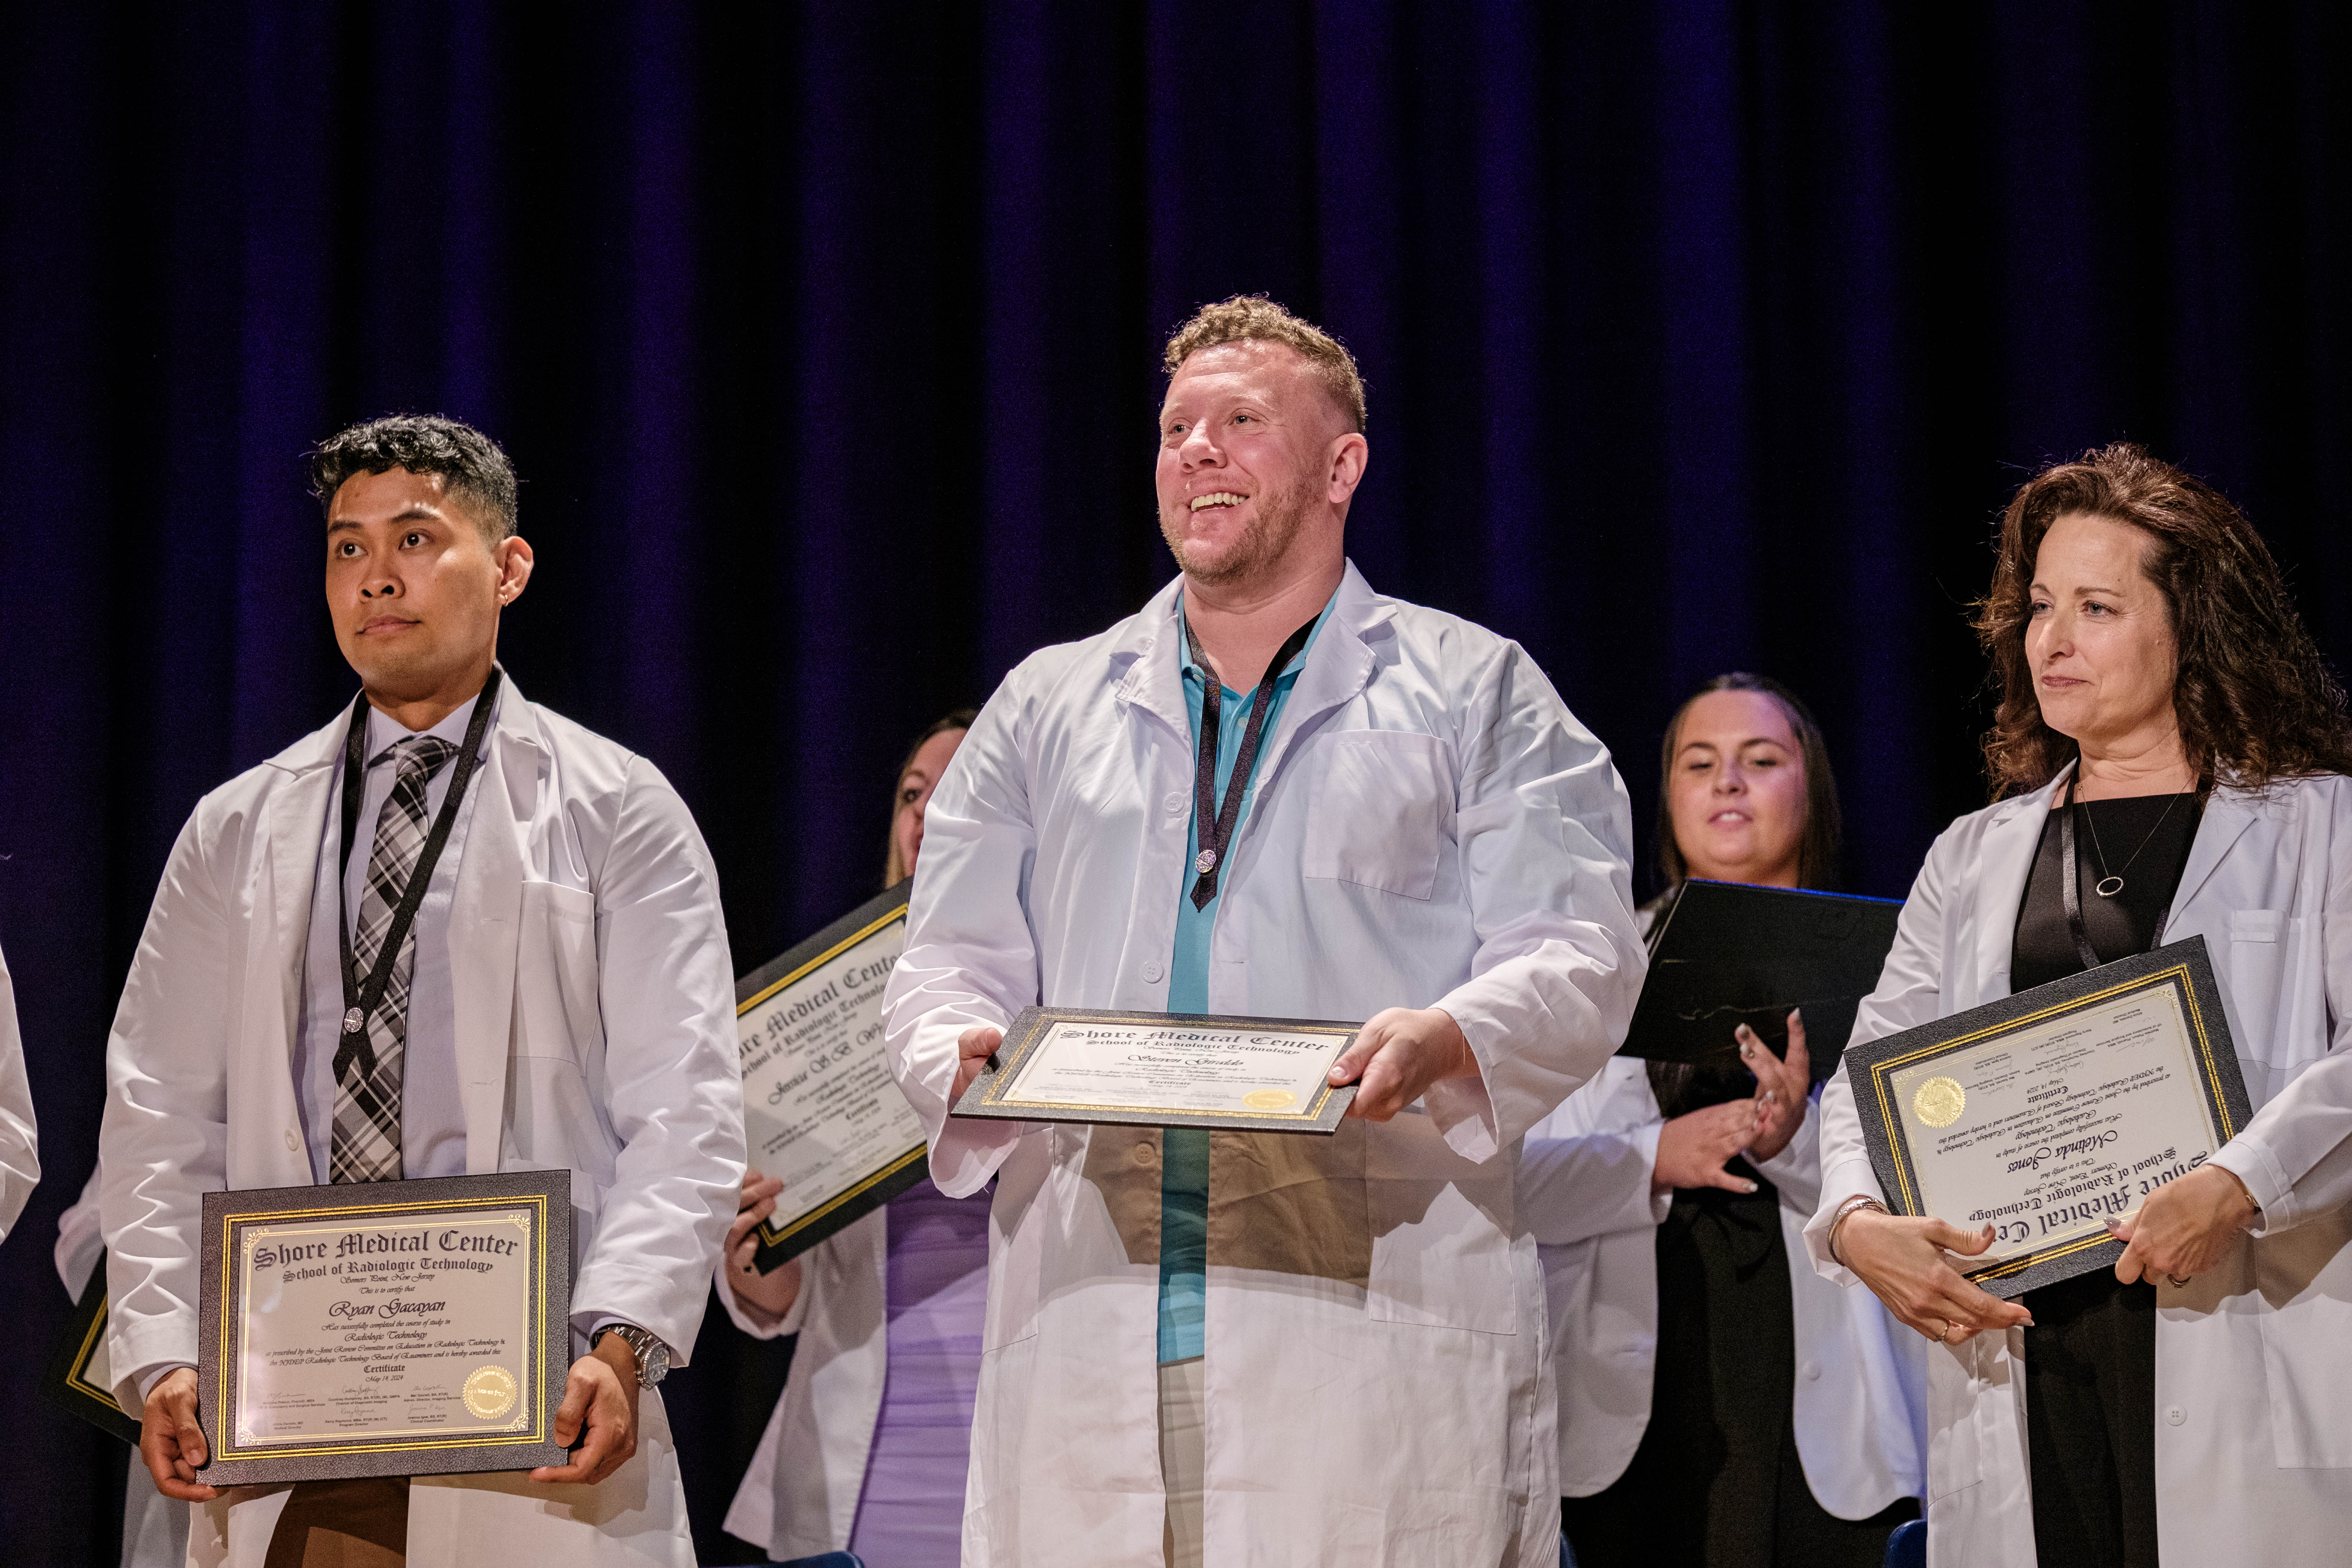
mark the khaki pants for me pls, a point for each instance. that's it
(1183, 1458)
(343, 1524)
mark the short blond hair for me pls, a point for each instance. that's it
(1254, 318)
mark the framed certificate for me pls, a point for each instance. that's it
(821, 1111)
(2048, 1112)
(78, 1379)
(1165, 1069)
(387, 1328)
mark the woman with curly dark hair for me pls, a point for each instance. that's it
(2157, 686)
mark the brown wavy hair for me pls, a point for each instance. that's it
(1818, 853)
(2254, 701)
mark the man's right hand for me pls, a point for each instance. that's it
(974, 1047)
(171, 1441)
(1901, 1260)
(1694, 1148)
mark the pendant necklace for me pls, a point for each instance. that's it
(2111, 883)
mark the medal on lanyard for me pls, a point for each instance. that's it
(1216, 821)
(362, 998)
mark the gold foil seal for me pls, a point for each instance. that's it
(1269, 1099)
(490, 1393)
(1940, 1102)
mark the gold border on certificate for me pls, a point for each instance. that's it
(901, 1167)
(236, 1221)
(2181, 970)
(66, 1382)
(990, 1094)
(532, 1426)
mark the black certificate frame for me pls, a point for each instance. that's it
(65, 1381)
(2185, 967)
(989, 1095)
(333, 1457)
(779, 1245)
(1726, 954)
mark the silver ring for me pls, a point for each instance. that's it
(2178, 1281)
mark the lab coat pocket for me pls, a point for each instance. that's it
(2307, 1375)
(556, 1010)
(1441, 1233)
(1381, 811)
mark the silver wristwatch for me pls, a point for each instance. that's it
(653, 1356)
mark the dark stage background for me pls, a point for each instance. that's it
(1699, 337)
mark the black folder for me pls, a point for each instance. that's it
(1726, 954)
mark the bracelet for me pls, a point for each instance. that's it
(1846, 1211)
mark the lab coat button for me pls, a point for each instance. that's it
(293, 1141)
(1812, 1372)
(2174, 1414)
(1175, 801)
(1151, 972)
(1146, 1154)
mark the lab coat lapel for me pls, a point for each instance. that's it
(1151, 645)
(263, 1089)
(2004, 861)
(1339, 666)
(2228, 814)
(487, 907)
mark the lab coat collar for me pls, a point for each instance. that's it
(1150, 645)
(2005, 859)
(2015, 834)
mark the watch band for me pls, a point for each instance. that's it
(652, 1354)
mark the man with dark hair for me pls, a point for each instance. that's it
(471, 466)
(561, 998)
(1273, 792)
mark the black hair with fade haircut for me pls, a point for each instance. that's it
(470, 464)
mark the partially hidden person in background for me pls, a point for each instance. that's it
(154, 1527)
(1273, 792)
(2195, 1402)
(564, 1000)
(20, 1145)
(867, 1449)
(1718, 1406)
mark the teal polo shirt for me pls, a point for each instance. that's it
(1184, 1151)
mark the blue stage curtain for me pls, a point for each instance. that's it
(1699, 337)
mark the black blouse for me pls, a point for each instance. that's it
(2144, 840)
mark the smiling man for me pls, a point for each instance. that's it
(1272, 793)
(560, 998)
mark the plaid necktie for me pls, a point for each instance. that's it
(366, 1146)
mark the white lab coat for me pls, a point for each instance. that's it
(1430, 827)
(154, 1527)
(1860, 1398)
(2253, 1360)
(799, 1495)
(20, 1152)
(595, 1033)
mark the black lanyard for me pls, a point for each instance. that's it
(361, 999)
(2070, 888)
(1215, 822)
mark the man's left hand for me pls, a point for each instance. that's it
(599, 1411)
(2185, 1227)
(1397, 1054)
